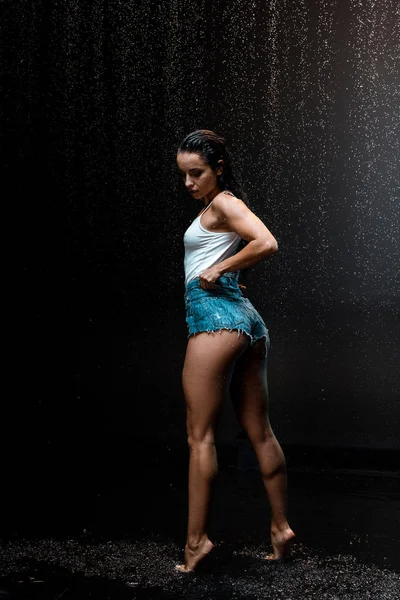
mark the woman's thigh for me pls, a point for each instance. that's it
(209, 361)
(249, 391)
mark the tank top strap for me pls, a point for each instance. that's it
(206, 208)
(209, 204)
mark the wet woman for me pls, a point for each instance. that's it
(228, 341)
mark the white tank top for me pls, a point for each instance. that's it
(204, 249)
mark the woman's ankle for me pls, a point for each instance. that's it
(279, 526)
(194, 541)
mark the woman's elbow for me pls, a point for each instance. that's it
(270, 246)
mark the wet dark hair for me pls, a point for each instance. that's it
(212, 148)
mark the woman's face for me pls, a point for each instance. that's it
(199, 178)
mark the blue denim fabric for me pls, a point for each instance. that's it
(223, 308)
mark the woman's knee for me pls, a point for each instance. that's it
(198, 438)
(260, 434)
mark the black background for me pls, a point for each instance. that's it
(96, 97)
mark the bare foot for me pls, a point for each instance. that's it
(281, 543)
(194, 555)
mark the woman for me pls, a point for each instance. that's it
(228, 341)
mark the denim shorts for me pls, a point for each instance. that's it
(223, 308)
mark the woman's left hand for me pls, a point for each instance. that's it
(209, 277)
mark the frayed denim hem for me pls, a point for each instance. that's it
(239, 332)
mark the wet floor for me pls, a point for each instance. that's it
(118, 532)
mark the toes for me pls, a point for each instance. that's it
(182, 569)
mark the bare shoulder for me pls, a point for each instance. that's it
(238, 217)
(226, 202)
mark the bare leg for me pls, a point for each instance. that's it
(206, 373)
(250, 398)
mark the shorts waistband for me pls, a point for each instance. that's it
(227, 285)
(227, 279)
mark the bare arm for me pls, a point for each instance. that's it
(239, 218)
